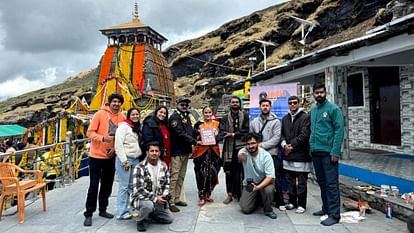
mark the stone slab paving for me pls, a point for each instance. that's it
(66, 206)
(398, 167)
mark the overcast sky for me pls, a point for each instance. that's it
(43, 42)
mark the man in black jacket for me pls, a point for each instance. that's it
(181, 134)
(233, 127)
(297, 162)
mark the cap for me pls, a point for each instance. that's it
(183, 99)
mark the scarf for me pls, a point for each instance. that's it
(231, 143)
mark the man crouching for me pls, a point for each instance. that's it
(259, 173)
(151, 180)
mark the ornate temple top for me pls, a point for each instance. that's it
(133, 32)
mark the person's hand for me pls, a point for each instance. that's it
(199, 143)
(160, 200)
(228, 135)
(334, 159)
(108, 138)
(242, 156)
(255, 187)
(126, 166)
(288, 148)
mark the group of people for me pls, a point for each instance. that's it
(151, 159)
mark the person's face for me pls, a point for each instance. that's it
(135, 116)
(153, 153)
(293, 105)
(207, 113)
(161, 114)
(115, 105)
(252, 146)
(265, 107)
(182, 106)
(319, 95)
(235, 104)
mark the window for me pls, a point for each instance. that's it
(355, 90)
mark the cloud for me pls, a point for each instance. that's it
(43, 42)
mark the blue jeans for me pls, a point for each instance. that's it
(326, 173)
(125, 187)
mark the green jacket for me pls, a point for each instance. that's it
(327, 128)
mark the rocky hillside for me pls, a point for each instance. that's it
(31, 108)
(222, 56)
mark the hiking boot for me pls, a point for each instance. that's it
(106, 215)
(318, 213)
(174, 208)
(141, 226)
(181, 203)
(88, 221)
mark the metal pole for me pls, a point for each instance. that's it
(303, 36)
(264, 54)
(68, 152)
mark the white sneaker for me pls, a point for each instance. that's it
(282, 208)
(322, 218)
(300, 210)
(289, 206)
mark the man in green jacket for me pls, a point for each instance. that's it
(327, 134)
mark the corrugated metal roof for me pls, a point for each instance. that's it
(11, 130)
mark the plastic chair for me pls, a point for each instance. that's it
(11, 186)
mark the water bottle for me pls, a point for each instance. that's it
(388, 210)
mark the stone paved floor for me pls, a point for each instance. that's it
(377, 162)
(66, 205)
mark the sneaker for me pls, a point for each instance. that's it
(106, 215)
(271, 215)
(181, 203)
(329, 221)
(141, 226)
(174, 208)
(282, 208)
(87, 222)
(300, 210)
(318, 213)
(126, 216)
(290, 206)
(323, 217)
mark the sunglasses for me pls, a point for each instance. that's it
(183, 105)
(293, 102)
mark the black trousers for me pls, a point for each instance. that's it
(101, 178)
(280, 174)
(297, 182)
(234, 175)
(327, 176)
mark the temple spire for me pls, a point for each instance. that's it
(135, 12)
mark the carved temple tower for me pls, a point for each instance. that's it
(134, 66)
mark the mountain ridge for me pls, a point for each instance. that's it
(221, 56)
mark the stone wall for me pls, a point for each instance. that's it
(360, 118)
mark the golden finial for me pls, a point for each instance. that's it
(135, 12)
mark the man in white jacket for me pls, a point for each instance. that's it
(268, 128)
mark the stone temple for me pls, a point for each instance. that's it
(134, 66)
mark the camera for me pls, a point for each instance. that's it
(249, 186)
(167, 201)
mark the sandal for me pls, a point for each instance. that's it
(201, 202)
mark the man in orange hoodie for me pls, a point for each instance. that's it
(101, 131)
